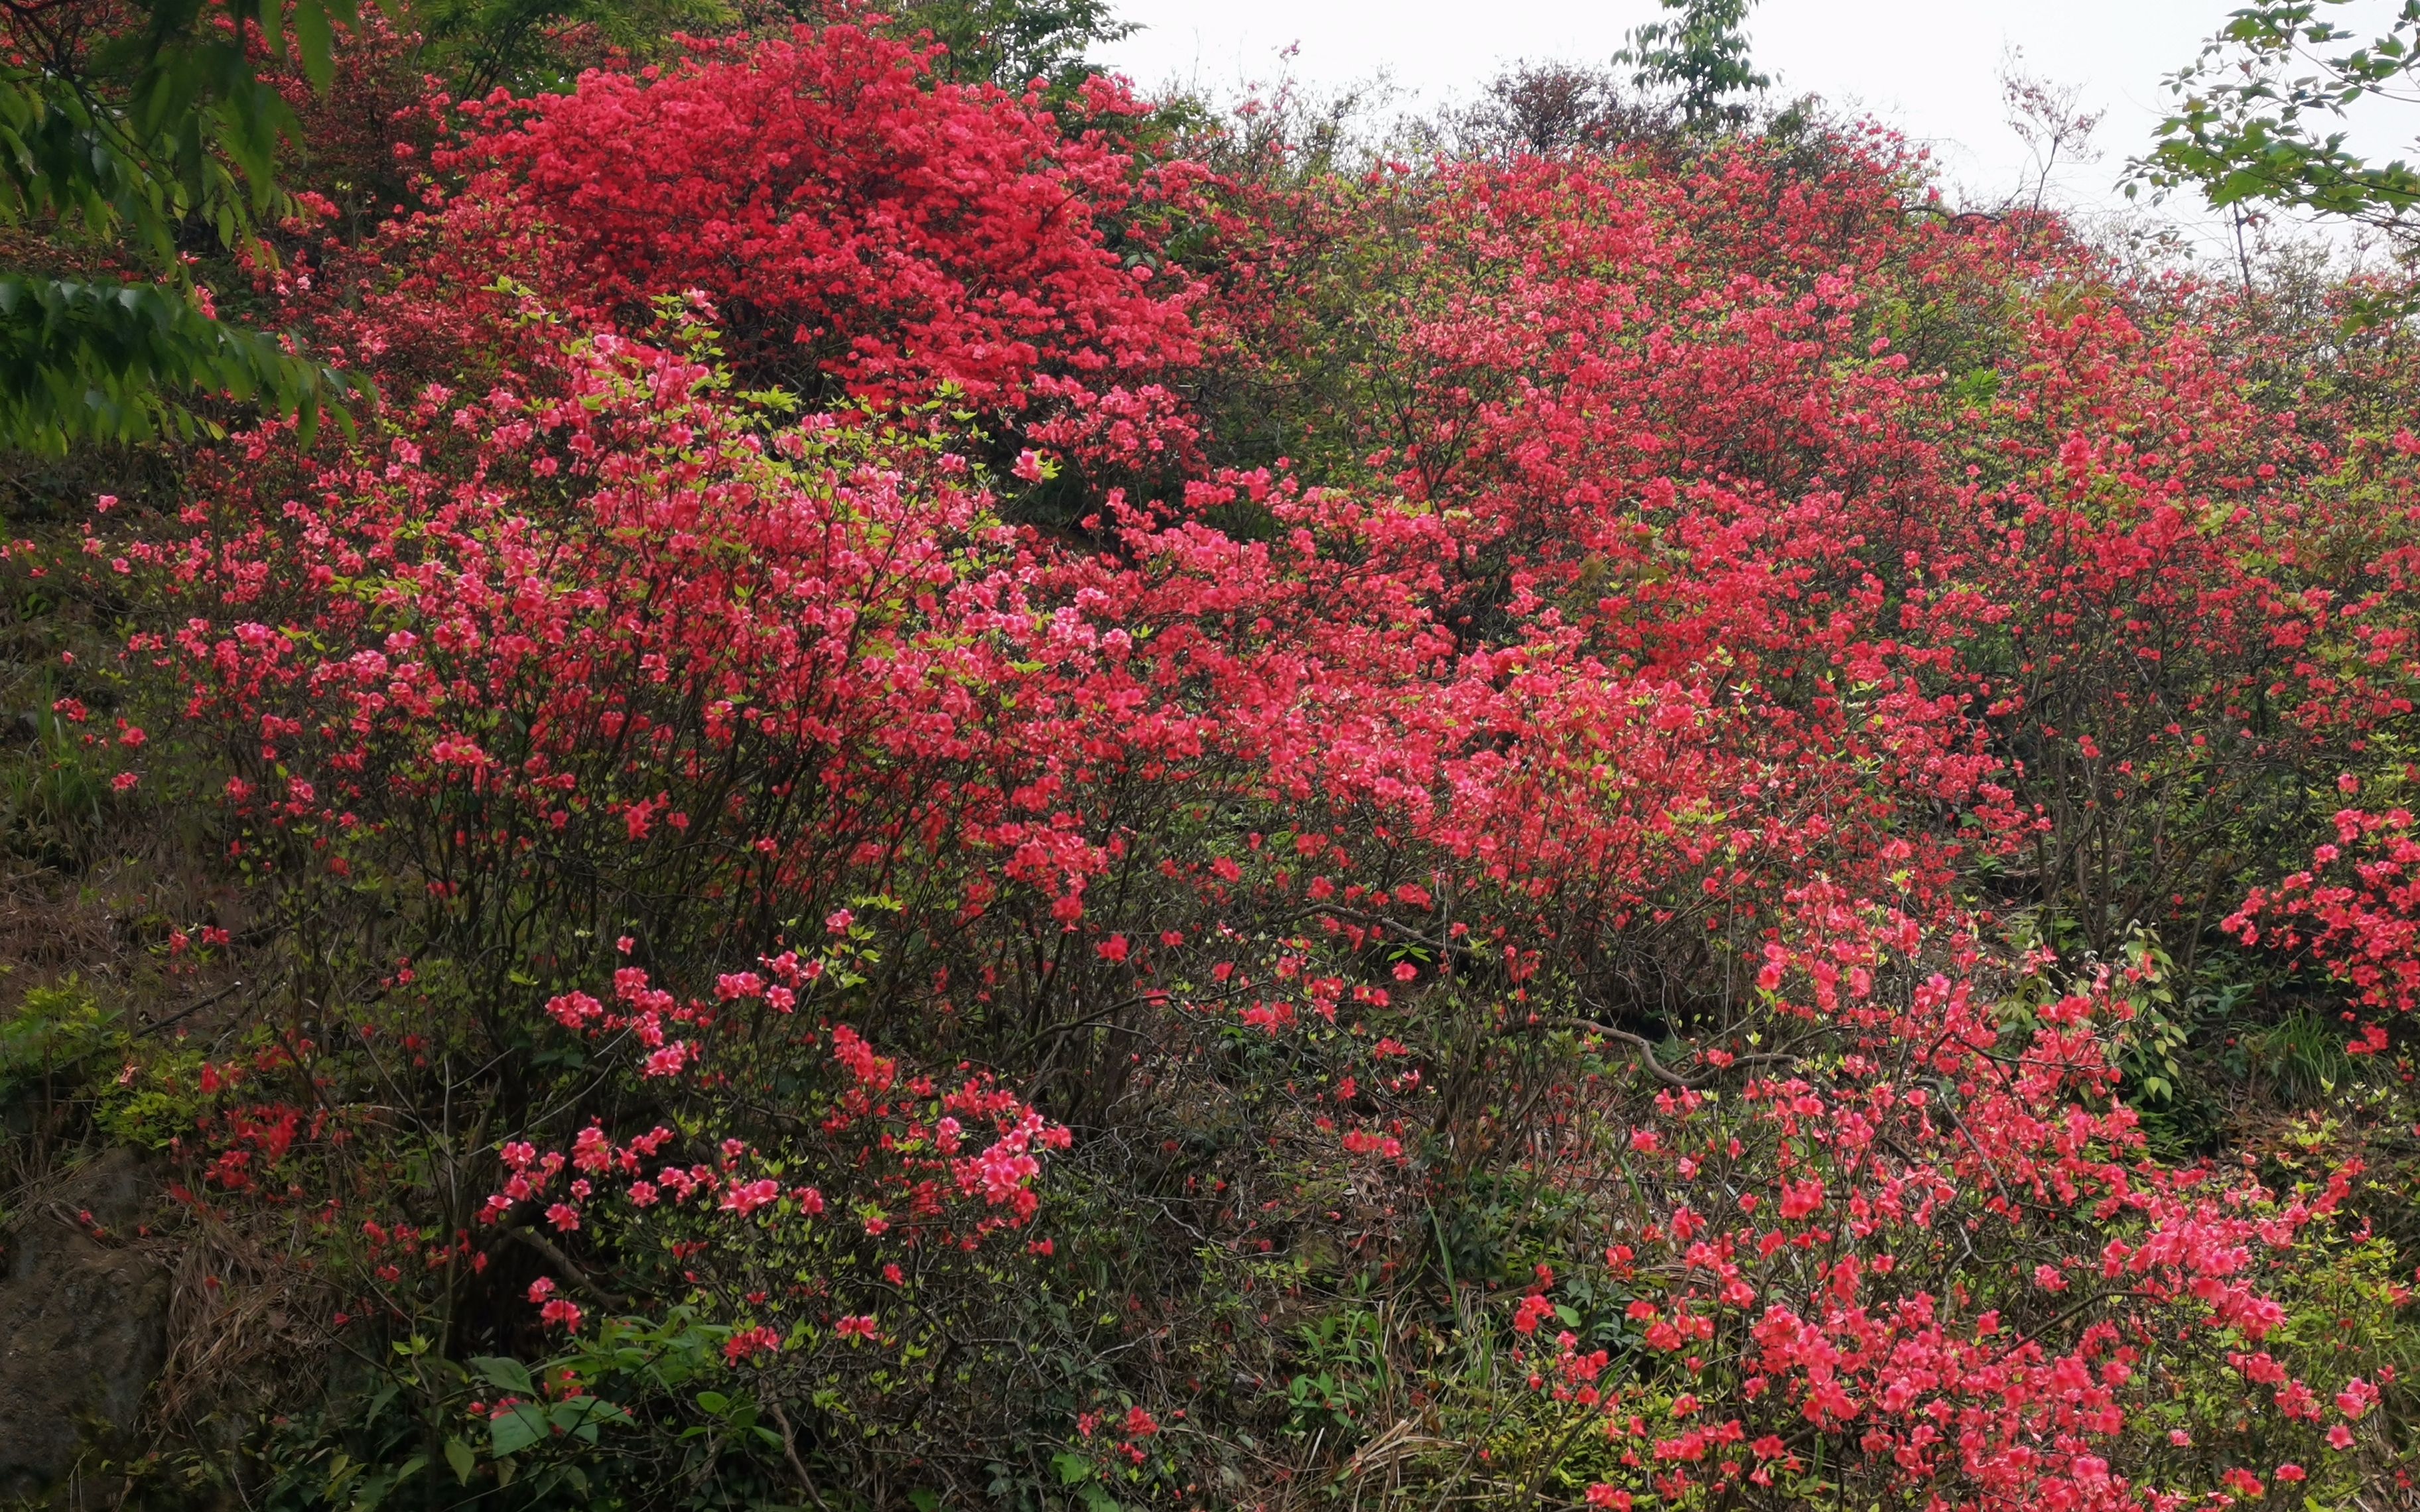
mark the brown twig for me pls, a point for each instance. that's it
(580, 1279)
(790, 1451)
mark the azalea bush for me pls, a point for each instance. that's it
(964, 803)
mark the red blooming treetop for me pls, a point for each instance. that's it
(854, 217)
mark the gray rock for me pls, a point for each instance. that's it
(84, 1326)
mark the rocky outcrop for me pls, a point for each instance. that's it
(83, 1323)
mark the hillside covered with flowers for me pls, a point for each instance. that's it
(974, 796)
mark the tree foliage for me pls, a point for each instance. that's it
(1700, 54)
(118, 135)
(1013, 42)
(2262, 111)
(480, 45)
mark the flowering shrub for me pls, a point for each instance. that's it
(2351, 910)
(899, 233)
(1593, 931)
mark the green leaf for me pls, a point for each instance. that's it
(517, 1429)
(380, 1401)
(340, 1474)
(576, 1417)
(458, 1455)
(509, 1374)
(312, 31)
(108, 362)
(1072, 1468)
(585, 1416)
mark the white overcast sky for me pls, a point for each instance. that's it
(1927, 66)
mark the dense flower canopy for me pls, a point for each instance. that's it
(902, 234)
(1641, 748)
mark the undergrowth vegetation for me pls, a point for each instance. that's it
(990, 796)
